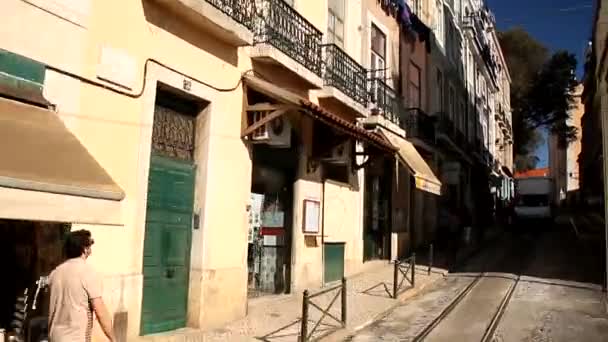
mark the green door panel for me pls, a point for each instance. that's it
(333, 254)
(166, 259)
(22, 67)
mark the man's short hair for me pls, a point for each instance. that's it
(76, 242)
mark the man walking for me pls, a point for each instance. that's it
(76, 294)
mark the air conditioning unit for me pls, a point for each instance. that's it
(276, 133)
(339, 154)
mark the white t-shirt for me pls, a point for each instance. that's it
(73, 285)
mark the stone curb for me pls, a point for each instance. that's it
(342, 334)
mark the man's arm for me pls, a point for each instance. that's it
(103, 317)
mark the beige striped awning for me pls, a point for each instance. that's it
(39, 154)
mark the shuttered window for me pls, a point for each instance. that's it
(414, 86)
(335, 22)
(378, 52)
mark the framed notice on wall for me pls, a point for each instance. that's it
(312, 216)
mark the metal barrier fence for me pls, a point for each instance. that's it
(402, 267)
(307, 302)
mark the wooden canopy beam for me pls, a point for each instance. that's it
(262, 122)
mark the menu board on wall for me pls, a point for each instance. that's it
(312, 216)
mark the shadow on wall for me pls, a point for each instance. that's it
(157, 15)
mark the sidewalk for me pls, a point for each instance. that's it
(279, 318)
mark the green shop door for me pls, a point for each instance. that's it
(166, 260)
(333, 259)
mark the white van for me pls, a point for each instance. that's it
(533, 199)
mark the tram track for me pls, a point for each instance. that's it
(490, 329)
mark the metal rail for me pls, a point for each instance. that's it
(491, 329)
(496, 318)
(305, 335)
(435, 322)
(403, 267)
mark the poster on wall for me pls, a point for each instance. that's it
(312, 215)
(255, 216)
(273, 215)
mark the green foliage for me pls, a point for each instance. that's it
(541, 93)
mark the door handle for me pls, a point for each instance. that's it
(170, 273)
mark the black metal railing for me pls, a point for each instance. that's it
(307, 302)
(281, 26)
(242, 11)
(419, 124)
(344, 73)
(400, 273)
(385, 100)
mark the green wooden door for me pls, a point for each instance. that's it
(167, 241)
(333, 259)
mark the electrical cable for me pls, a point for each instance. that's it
(143, 87)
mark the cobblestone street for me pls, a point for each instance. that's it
(526, 285)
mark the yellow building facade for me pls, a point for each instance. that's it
(157, 121)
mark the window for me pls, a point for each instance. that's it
(335, 22)
(378, 53)
(414, 86)
(336, 172)
(416, 8)
(440, 22)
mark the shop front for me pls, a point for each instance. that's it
(304, 213)
(48, 181)
(270, 220)
(414, 175)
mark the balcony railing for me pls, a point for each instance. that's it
(345, 74)
(242, 11)
(419, 125)
(386, 100)
(281, 26)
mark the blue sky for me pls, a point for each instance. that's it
(559, 24)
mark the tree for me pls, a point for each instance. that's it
(541, 93)
(525, 57)
(552, 96)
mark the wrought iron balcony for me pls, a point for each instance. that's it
(385, 100)
(230, 21)
(345, 74)
(419, 125)
(282, 27)
(242, 11)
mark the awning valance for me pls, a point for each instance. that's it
(317, 113)
(38, 153)
(424, 177)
